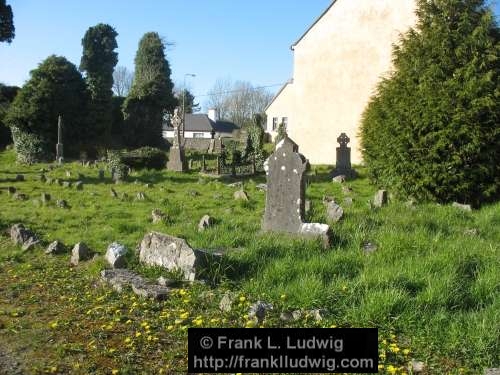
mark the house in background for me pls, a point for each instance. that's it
(200, 128)
(338, 62)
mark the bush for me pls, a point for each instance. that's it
(432, 130)
(119, 171)
(30, 148)
(145, 157)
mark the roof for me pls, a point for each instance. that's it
(315, 22)
(199, 122)
(290, 81)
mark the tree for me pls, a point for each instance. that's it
(432, 129)
(7, 95)
(55, 88)
(98, 62)
(7, 29)
(281, 132)
(151, 94)
(122, 81)
(238, 102)
(184, 95)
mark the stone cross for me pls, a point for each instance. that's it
(285, 199)
(177, 160)
(59, 146)
(343, 163)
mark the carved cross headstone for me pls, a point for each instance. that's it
(285, 198)
(177, 159)
(343, 163)
(59, 146)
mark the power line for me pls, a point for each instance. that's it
(233, 91)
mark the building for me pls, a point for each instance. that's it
(203, 126)
(338, 62)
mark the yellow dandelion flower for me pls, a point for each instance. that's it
(128, 321)
(53, 369)
(182, 292)
(186, 300)
(198, 322)
(53, 325)
(250, 324)
(144, 324)
(169, 328)
(242, 299)
(184, 315)
(391, 369)
(214, 320)
(184, 328)
(138, 334)
(118, 311)
(344, 288)
(114, 371)
(333, 326)
(283, 296)
(150, 338)
(128, 340)
(380, 367)
(406, 351)
(178, 321)
(112, 350)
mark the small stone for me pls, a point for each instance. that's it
(237, 184)
(205, 222)
(193, 193)
(262, 187)
(380, 198)
(334, 212)
(417, 366)
(11, 190)
(158, 216)
(156, 292)
(471, 232)
(492, 371)
(348, 201)
(80, 252)
(66, 184)
(20, 196)
(465, 207)
(55, 247)
(369, 247)
(113, 193)
(115, 255)
(339, 179)
(346, 190)
(78, 185)
(30, 244)
(259, 309)
(166, 282)
(45, 197)
(317, 314)
(19, 177)
(240, 195)
(288, 316)
(20, 235)
(68, 174)
(140, 196)
(61, 203)
(226, 301)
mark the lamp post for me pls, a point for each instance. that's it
(184, 102)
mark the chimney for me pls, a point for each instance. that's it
(212, 114)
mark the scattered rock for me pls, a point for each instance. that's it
(380, 198)
(156, 292)
(119, 279)
(369, 247)
(237, 184)
(148, 186)
(205, 222)
(66, 184)
(113, 193)
(173, 253)
(20, 196)
(45, 197)
(339, 179)
(115, 255)
(55, 247)
(61, 203)
(259, 309)
(262, 187)
(417, 366)
(193, 193)
(158, 216)
(317, 314)
(166, 282)
(346, 190)
(30, 244)
(289, 316)
(227, 301)
(465, 207)
(334, 212)
(21, 235)
(19, 177)
(79, 185)
(140, 196)
(80, 252)
(471, 232)
(11, 190)
(348, 201)
(240, 195)
(492, 371)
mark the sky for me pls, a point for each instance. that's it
(213, 39)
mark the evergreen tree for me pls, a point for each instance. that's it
(432, 129)
(98, 61)
(7, 29)
(151, 94)
(7, 95)
(55, 88)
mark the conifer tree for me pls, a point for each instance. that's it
(432, 129)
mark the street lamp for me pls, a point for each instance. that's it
(184, 102)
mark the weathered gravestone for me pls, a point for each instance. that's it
(59, 146)
(177, 159)
(285, 199)
(343, 163)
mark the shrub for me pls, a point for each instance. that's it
(432, 129)
(119, 170)
(145, 157)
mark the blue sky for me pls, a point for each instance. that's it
(237, 39)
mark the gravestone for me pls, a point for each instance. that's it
(343, 164)
(177, 159)
(285, 198)
(59, 146)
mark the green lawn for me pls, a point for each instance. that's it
(431, 288)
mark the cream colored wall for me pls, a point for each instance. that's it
(280, 108)
(336, 68)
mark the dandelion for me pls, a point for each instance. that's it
(406, 351)
(138, 334)
(184, 315)
(250, 324)
(242, 299)
(114, 371)
(128, 321)
(178, 321)
(169, 328)
(112, 350)
(333, 326)
(128, 340)
(53, 369)
(214, 320)
(198, 322)
(182, 292)
(391, 369)
(380, 367)
(53, 325)
(283, 297)
(344, 288)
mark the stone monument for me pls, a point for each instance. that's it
(59, 146)
(176, 159)
(285, 199)
(343, 164)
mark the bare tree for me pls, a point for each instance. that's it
(122, 80)
(239, 101)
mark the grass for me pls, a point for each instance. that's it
(431, 288)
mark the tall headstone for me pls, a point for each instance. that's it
(177, 160)
(285, 199)
(59, 146)
(343, 164)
